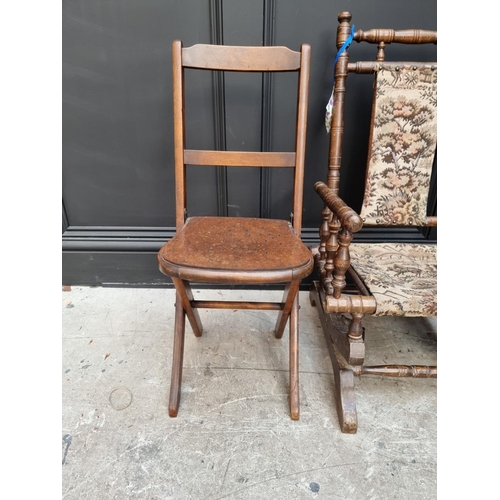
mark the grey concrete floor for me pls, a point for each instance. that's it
(233, 437)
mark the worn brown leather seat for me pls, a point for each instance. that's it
(236, 249)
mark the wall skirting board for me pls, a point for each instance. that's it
(120, 256)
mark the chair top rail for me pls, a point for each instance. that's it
(411, 36)
(231, 58)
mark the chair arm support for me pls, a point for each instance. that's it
(346, 215)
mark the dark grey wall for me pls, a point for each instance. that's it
(118, 196)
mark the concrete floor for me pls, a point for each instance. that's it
(233, 437)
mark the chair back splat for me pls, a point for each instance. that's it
(237, 250)
(380, 279)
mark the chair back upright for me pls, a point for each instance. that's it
(241, 59)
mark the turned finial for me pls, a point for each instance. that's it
(345, 17)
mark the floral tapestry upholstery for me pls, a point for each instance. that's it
(402, 145)
(401, 276)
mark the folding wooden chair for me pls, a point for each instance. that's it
(237, 250)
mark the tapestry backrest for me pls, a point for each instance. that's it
(403, 141)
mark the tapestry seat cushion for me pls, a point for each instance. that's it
(401, 276)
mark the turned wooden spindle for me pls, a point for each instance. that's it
(331, 249)
(365, 304)
(396, 36)
(329, 227)
(355, 331)
(337, 129)
(324, 233)
(342, 261)
(380, 52)
(337, 262)
(415, 371)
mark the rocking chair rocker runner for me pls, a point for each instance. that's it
(387, 278)
(237, 250)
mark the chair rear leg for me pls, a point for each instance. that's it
(177, 357)
(291, 290)
(294, 360)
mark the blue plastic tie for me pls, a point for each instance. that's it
(329, 106)
(342, 49)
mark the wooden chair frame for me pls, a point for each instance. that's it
(331, 295)
(182, 272)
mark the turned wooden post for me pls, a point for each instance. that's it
(415, 371)
(330, 225)
(380, 52)
(342, 262)
(324, 233)
(331, 249)
(337, 129)
(355, 328)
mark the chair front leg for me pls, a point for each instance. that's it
(294, 360)
(184, 290)
(177, 357)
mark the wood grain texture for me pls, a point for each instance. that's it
(229, 304)
(231, 58)
(238, 158)
(288, 297)
(179, 134)
(294, 360)
(300, 141)
(396, 36)
(177, 358)
(186, 295)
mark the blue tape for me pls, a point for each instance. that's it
(329, 106)
(343, 49)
